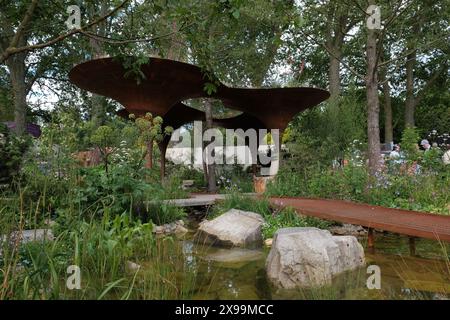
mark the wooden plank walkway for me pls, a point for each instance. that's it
(411, 223)
(198, 200)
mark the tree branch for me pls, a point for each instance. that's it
(426, 45)
(323, 45)
(429, 83)
(13, 50)
(23, 25)
(101, 38)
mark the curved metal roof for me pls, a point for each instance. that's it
(166, 83)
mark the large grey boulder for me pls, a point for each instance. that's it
(235, 228)
(310, 257)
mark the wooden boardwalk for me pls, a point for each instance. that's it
(411, 223)
(198, 199)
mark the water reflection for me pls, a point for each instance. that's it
(240, 274)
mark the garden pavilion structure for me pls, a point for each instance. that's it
(164, 84)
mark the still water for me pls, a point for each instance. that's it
(240, 274)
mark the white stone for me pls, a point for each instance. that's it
(26, 236)
(132, 267)
(158, 229)
(177, 228)
(234, 228)
(186, 184)
(310, 257)
(180, 230)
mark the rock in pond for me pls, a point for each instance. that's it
(175, 228)
(233, 257)
(132, 267)
(235, 228)
(310, 257)
(348, 230)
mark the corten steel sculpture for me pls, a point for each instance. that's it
(166, 83)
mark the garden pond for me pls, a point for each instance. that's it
(235, 273)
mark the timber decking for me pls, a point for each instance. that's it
(411, 223)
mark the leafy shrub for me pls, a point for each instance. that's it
(118, 190)
(409, 143)
(320, 135)
(425, 191)
(186, 172)
(161, 213)
(170, 188)
(12, 149)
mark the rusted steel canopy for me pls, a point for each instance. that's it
(274, 107)
(243, 121)
(169, 82)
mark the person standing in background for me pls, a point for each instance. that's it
(446, 156)
(425, 144)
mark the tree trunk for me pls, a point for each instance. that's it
(212, 187)
(17, 72)
(149, 155)
(174, 51)
(98, 111)
(205, 167)
(410, 103)
(162, 149)
(388, 128)
(333, 75)
(373, 107)
(338, 25)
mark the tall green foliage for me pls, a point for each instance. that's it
(12, 149)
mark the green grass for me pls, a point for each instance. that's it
(100, 245)
(38, 270)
